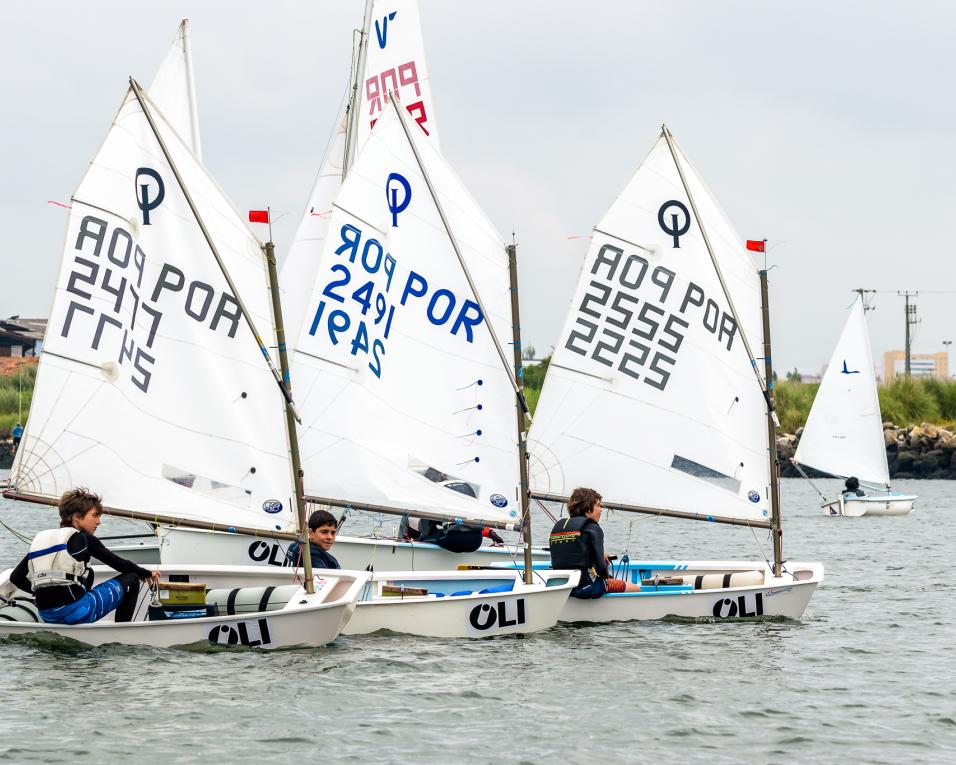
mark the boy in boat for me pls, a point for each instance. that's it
(322, 530)
(56, 569)
(853, 487)
(577, 542)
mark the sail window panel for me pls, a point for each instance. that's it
(697, 470)
(218, 490)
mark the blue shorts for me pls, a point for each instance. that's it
(92, 607)
(593, 589)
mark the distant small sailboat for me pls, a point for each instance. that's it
(844, 431)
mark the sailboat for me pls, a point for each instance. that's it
(654, 397)
(390, 58)
(405, 390)
(843, 435)
(154, 387)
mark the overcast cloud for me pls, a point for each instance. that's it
(827, 126)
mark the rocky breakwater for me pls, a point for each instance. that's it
(919, 451)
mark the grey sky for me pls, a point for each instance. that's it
(828, 126)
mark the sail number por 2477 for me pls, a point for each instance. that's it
(623, 320)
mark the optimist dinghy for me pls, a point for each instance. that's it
(844, 431)
(390, 58)
(461, 604)
(295, 618)
(654, 397)
(162, 285)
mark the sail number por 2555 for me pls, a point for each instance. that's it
(624, 321)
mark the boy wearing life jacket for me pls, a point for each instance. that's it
(56, 569)
(577, 542)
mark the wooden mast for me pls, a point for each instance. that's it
(525, 486)
(775, 525)
(305, 551)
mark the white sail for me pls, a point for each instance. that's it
(650, 396)
(174, 90)
(396, 61)
(152, 390)
(302, 263)
(844, 431)
(403, 395)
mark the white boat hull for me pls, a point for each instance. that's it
(784, 597)
(182, 546)
(876, 504)
(306, 620)
(524, 608)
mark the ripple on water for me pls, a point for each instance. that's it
(851, 682)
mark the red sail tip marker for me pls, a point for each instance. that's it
(262, 216)
(754, 245)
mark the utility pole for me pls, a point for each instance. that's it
(862, 293)
(911, 320)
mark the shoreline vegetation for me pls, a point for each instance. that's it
(919, 422)
(904, 402)
(919, 416)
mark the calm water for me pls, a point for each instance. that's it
(869, 674)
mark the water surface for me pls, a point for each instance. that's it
(866, 676)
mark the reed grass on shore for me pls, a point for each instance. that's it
(904, 402)
(16, 389)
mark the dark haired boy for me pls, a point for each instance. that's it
(56, 569)
(577, 542)
(322, 530)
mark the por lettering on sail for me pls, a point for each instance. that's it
(118, 304)
(634, 316)
(362, 312)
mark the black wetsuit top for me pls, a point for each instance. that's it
(81, 546)
(592, 541)
(320, 558)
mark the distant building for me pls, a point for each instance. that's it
(921, 365)
(21, 337)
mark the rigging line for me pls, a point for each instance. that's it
(508, 366)
(760, 547)
(720, 276)
(19, 535)
(101, 209)
(286, 393)
(648, 250)
(372, 226)
(355, 99)
(326, 152)
(546, 511)
(324, 360)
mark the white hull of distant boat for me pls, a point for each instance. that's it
(180, 546)
(462, 604)
(886, 504)
(303, 620)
